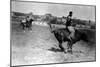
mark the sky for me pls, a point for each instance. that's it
(79, 11)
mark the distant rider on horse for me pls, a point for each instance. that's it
(29, 22)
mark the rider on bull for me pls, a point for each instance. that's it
(69, 28)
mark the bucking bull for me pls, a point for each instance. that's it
(62, 35)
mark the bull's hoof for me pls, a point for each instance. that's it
(65, 52)
(69, 51)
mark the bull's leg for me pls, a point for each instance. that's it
(61, 47)
(69, 48)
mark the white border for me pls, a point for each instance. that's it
(5, 32)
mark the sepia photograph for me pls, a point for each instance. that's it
(51, 33)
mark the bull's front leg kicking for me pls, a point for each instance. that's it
(61, 47)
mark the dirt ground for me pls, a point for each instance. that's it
(39, 46)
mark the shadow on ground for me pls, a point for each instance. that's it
(55, 49)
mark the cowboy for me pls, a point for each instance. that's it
(29, 21)
(69, 28)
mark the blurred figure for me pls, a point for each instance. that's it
(29, 21)
(69, 21)
(68, 24)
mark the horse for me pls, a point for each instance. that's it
(23, 24)
(26, 24)
(62, 35)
